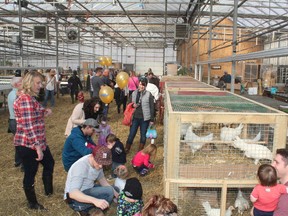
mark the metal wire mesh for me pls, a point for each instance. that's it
(215, 102)
(196, 200)
(211, 152)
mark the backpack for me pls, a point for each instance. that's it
(128, 114)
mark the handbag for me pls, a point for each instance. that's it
(128, 114)
(151, 132)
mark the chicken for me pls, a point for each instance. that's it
(241, 203)
(255, 139)
(228, 134)
(190, 136)
(215, 211)
(183, 129)
(185, 126)
(196, 124)
(255, 151)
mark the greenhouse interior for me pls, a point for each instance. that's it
(220, 72)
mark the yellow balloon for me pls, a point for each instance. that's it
(122, 79)
(108, 61)
(102, 63)
(101, 58)
(106, 94)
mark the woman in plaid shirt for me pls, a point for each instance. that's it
(30, 138)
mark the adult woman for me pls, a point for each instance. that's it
(78, 116)
(143, 101)
(50, 82)
(84, 110)
(93, 109)
(30, 138)
(133, 82)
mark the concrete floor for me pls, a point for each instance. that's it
(266, 100)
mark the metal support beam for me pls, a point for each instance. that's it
(271, 53)
(234, 44)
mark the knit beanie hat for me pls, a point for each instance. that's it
(133, 189)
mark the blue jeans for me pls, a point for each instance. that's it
(137, 122)
(48, 94)
(105, 109)
(31, 165)
(257, 212)
(99, 192)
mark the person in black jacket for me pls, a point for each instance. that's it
(74, 84)
(118, 152)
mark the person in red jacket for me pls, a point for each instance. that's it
(141, 161)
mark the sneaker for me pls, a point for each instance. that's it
(143, 172)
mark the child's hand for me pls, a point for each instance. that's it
(151, 166)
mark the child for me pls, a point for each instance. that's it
(265, 195)
(130, 199)
(122, 173)
(105, 130)
(141, 161)
(159, 205)
(118, 152)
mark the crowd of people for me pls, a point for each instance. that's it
(84, 158)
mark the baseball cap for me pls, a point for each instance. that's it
(102, 155)
(92, 123)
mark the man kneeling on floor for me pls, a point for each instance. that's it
(81, 193)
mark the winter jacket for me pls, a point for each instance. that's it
(75, 148)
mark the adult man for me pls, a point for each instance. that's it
(153, 79)
(80, 191)
(108, 82)
(50, 82)
(15, 83)
(74, 84)
(226, 78)
(89, 83)
(75, 144)
(97, 82)
(280, 163)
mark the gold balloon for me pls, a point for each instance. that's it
(122, 79)
(101, 58)
(106, 94)
(109, 61)
(102, 63)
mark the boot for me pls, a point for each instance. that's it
(48, 185)
(32, 200)
(141, 146)
(127, 148)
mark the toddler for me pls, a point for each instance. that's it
(265, 195)
(158, 205)
(105, 130)
(130, 199)
(141, 161)
(122, 173)
(118, 152)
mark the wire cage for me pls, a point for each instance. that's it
(201, 200)
(216, 139)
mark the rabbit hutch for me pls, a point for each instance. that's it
(214, 143)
